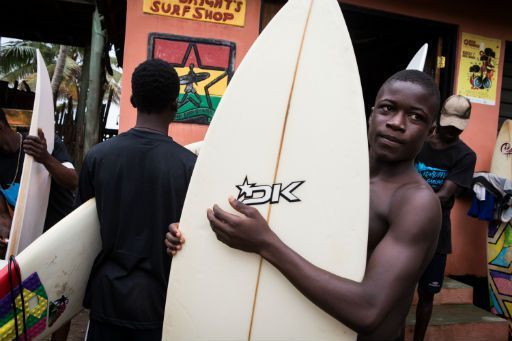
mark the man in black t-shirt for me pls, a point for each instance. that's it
(447, 164)
(13, 147)
(139, 179)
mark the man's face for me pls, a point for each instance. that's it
(448, 133)
(401, 120)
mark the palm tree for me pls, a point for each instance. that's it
(64, 64)
(17, 63)
(58, 74)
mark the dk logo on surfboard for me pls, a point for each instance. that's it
(253, 194)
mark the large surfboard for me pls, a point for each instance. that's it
(30, 212)
(54, 270)
(288, 137)
(499, 238)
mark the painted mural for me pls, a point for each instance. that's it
(205, 67)
(499, 253)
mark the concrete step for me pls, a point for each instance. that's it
(460, 322)
(453, 292)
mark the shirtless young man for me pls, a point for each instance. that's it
(405, 218)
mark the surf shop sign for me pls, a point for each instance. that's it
(227, 12)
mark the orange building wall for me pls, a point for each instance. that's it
(138, 27)
(468, 234)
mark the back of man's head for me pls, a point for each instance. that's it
(155, 87)
(420, 78)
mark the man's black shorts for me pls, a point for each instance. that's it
(432, 279)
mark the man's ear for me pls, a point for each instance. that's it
(369, 121)
(432, 129)
(173, 108)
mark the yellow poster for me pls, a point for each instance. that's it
(478, 68)
(227, 12)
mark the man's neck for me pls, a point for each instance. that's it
(155, 122)
(390, 170)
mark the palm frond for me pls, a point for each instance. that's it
(16, 54)
(18, 74)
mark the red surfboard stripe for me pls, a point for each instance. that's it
(5, 286)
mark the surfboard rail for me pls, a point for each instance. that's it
(32, 203)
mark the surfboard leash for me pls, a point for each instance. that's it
(13, 263)
(13, 296)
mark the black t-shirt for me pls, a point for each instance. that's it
(61, 199)
(139, 179)
(455, 163)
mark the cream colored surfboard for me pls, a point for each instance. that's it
(195, 147)
(299, 155)
(30, 212)
(418, 61)
(502, 157)
(54, 270)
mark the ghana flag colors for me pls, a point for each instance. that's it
(205, 68)
(36, 304)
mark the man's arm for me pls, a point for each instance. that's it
(35, 146)
(446, 192)
(393, 268)
(459, 178)
(86, 188)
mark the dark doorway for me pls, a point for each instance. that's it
(384, 43)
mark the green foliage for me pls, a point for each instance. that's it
(18, 63)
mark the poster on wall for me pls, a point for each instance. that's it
(227, 12)
(205, 67)
(478, 68)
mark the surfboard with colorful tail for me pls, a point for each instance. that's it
(52, 272)
(499, 237)
(289, 138)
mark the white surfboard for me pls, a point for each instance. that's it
(195, 147)
(302, 147)
(54, 269)
(501, 164)
(418, 61)
(30, 212)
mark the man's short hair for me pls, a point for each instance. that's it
(422, 79)
(3, 118)
(155, 86)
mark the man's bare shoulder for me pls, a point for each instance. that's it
(415, 203)
(417, 190)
